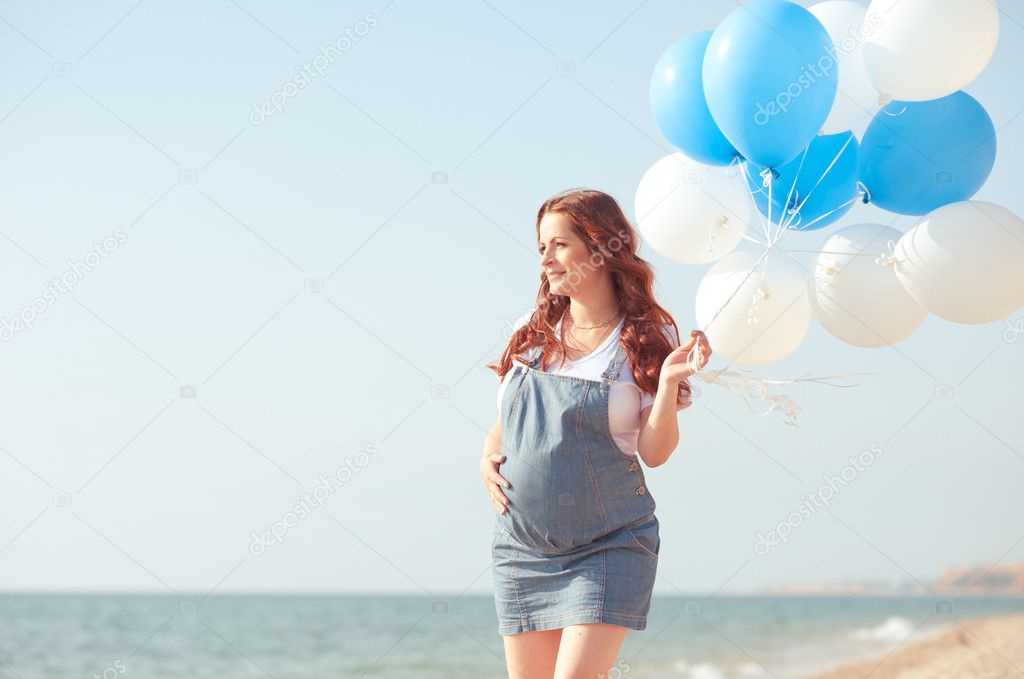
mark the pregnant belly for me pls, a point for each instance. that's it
(553, 503)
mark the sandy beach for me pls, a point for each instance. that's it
(990, 647)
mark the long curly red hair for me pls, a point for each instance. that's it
(613, 242)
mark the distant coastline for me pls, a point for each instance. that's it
(955, 581)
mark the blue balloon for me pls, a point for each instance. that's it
(919, 155)
(813, 190)
(770, 79)
(678, 105)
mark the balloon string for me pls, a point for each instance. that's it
(835, 159)
(724, 223)
(751, 387)
(736, 291)
(769, 176)
(832, 211)
(760, 217)
(828, 252)
(865, 195)
(743, 382)
(889, 259)
(792, 186)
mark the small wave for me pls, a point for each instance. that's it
(896, 628)
(704, 670)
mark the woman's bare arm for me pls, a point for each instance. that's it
(659, 428)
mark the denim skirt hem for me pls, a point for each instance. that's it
(518, 626)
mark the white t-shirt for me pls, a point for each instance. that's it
(625, 398)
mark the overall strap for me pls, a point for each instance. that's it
(612, 371)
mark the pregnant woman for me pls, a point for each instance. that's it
(591, 380)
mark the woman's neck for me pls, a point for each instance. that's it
(584, 315)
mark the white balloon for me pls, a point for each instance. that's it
(926, 49)
(766, 319)
(856, 297)
(855, 94)
(692, 212)
(964, 262)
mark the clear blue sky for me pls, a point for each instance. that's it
(290, 293)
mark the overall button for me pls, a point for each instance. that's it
(634, 466)
(641, 489)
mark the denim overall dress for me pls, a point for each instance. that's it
(579, 542)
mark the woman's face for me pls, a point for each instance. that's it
(563, 255)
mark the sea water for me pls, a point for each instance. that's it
(231, 636)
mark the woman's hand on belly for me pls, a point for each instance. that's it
(493, 481)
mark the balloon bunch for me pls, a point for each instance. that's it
(768, 110)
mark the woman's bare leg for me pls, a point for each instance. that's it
(588, 651)
(532, 655)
